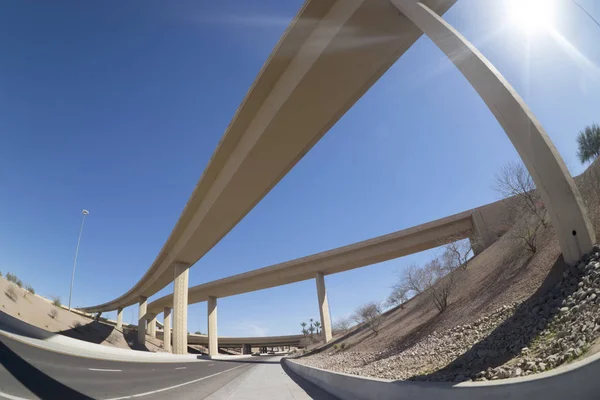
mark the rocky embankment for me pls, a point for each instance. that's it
(539, 334)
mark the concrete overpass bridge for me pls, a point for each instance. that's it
(241, 342)
(313, 76)
(483, 223)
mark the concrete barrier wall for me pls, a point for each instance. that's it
(579, 380)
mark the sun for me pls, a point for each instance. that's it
(531, 15)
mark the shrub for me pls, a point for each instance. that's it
(11, 277)
(0, 274)
(53, 313)
(56, 301)
(343, 346)
(369, 314)
(336, 346)
(30, 289)
(19, 283)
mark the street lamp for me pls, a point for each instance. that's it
(84, 213)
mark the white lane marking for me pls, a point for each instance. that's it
(11, 397)
(105, 370)
(181, 368)
(173, 387)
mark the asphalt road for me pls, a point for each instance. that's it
(28, 372)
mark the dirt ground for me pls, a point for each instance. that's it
(36, 310)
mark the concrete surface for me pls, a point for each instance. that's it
(268, 380)
(33, 336)
(180, 308)
(213, 346)
(142, 306)
(323, 306)
(578, 380)
(167, 329)
(27, 372)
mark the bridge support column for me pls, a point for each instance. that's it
(120, 319)
(180, 306)
(552, 178)
(167, 329)
(213, 344)
(323, 307)
(152, 327)
(143, 303)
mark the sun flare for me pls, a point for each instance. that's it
(532, 15)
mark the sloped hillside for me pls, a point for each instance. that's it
(39, 311)
(508, 313)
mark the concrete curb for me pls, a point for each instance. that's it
(578, 380)
(40, 338)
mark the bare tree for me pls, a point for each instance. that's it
(514, 180)
(341, 326)
(416, 279)
(457, 252)
(526, 233)
(435, 279)
(398, 296)
(369, 314)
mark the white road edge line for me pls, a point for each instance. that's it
(173, 387)
(181, 368)
(11, 397)
(105, 370)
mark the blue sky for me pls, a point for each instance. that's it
(117, 106)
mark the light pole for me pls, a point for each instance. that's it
(84, 213)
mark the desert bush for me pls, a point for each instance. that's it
(11, 277)
(457, 252)
(336, 346)
(56, 301)
(399, 296)
(0, 274)
(369, 314)
(343, 346)
(435, 279)
(30, 289)
(53, 313)
(19, 283)
(11, 294)
(526, 215)
(341, 326)
(514, 180)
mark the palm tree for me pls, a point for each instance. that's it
(317, 325)
(311, 329)
(304, 331)
(588, 143)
